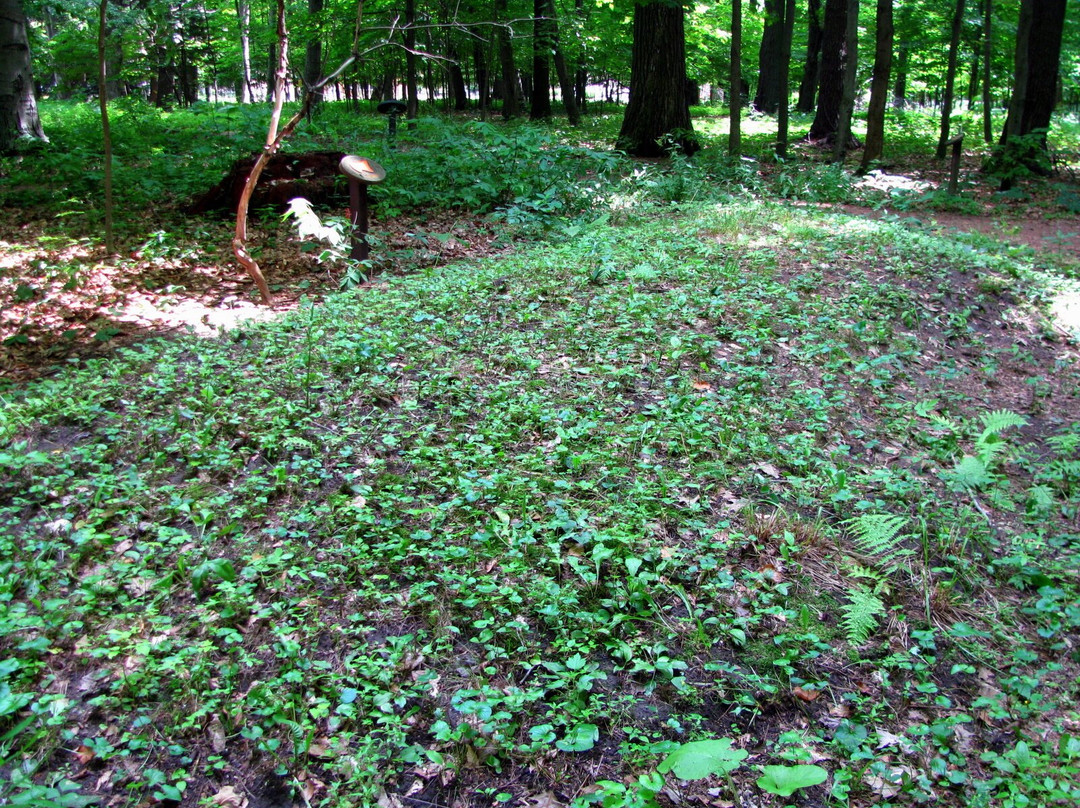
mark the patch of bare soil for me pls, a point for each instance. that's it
(64, 300)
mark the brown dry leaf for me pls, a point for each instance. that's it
(229, 797)
(805, 694)
(320, 748)
(700, 385)
(544, 799)
(840, 710)
(84, 754)
(388, 800)
(768, 469)
(217, 735)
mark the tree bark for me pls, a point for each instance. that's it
(787, 30)
(562, 71)
(540, 100)
(950, 80)
(412, 97)
(767, 97)
(879, 85)
(988, 56)
(844, 139)
(735, 82)
(18, 107)
(103, 100)
(1044, 61)
(243, 16)
(810, 76)
(903, 52)
(834, 60)
(657, 116)
(510, 88)
(313, 53)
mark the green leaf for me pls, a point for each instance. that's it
(700, 759)
(786, 780)
(581, 738)
(971, 473)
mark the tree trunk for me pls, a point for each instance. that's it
(510, 88)
(767, 97)
(735, 82)
(540, 100)
(903, 51)
(787, 30)
(950, 80)
(18, 107)
(243, 16)
(566, 81)
(1047, 27)
(657, 116)
(844, 139)
(834, 59)
(412, 97)
(988, 56)
(313, 52)
(879, 85)
(103, 100)
(457, 82)
(810, 76)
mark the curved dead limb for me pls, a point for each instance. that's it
(274, 139)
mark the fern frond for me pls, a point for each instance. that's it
(996, 422)
(861, 614)
(878, 536)
(857, 570)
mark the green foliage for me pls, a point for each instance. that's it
(786, 780)
(697, 760)
(880, 537)
(861, 613)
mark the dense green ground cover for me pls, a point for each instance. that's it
(518, 530)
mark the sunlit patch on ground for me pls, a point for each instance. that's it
(880, 181)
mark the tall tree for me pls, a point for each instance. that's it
(767, 97)
(950, 79)
(788, 29)
(1044, 63)
(313, 52)
(811, 69)
(510, 88)
(562, 71)
(18, 107)
(243, 17)
(879, 85)
(903, 56)
(103, 100)
(844, 139)
(735, 82)
(412, 97)
(657, 115)
(835, 49)
(988, 56)
(540, 99)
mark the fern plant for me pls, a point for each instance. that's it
(880, 538)
(975, 471)
(861, 613)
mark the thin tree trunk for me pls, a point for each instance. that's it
(810, 76)
(412, 98)
(103, 99)
(903, 51)
(844, 138)
(243, 16)
(566, 81)
(988, 56)
(950, 80)
(506, 62)
(1021, 64)
(313, 53)
(879, 85)
(787, 29)
(735, 81)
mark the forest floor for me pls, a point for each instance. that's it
(689, 500)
